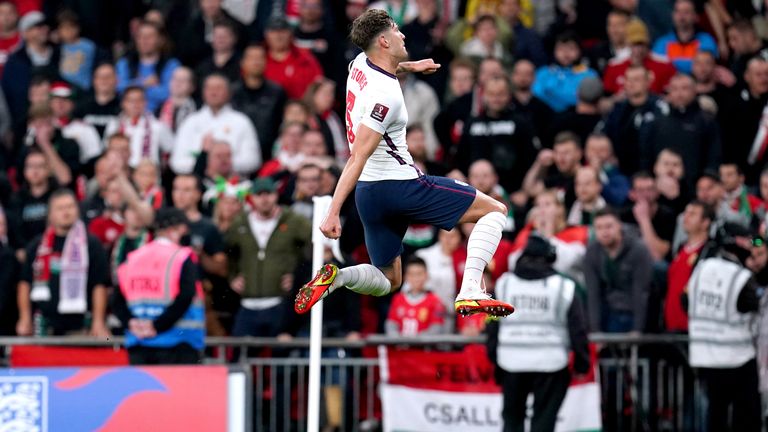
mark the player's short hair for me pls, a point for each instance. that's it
(368, 26)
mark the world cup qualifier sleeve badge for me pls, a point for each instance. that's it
(379, 112)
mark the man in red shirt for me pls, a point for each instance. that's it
(293, 68)
(414, 310)
(660, 69)
(697, 219)
(9, 35)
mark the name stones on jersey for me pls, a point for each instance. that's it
(379, 112)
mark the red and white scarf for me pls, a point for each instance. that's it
(760, 144)
(146, 140)
(73, 273)
(173, 115)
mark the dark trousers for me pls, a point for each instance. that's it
(732, 388)
(180, 354)
(263, 323)
(548, 393)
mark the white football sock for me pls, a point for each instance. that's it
(481, 246)
(363, 279)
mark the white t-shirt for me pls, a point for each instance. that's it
(262, 229)
(374, 98)
(227, 125)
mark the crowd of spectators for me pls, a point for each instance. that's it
(618, 130)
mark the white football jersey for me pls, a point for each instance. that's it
(374, 98)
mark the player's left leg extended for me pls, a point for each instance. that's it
(362, 278)
(489, 217)
(383, 237)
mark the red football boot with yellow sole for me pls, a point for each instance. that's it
(483, 303)
(316, 289)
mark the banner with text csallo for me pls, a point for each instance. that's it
(159, 398)
(456, 392)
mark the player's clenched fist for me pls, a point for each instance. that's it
(331, 226)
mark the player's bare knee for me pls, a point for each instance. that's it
(394, 274)
(396, 283)
(395, 279)
(498, 206)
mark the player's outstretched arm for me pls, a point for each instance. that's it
(426, 66)
(365, 143)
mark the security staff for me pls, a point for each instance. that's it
(722, 301)
(530, 348)
(160, 297)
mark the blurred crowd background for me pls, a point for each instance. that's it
(233, 112)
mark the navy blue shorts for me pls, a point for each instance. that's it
(387, 207)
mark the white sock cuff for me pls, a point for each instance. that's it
(493, 219)
(364, 279)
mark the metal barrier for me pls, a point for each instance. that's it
(645, 379)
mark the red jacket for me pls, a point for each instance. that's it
(295, 73)
(106, 229)
(678, 274)
(661, 72)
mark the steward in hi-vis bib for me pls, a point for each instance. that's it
(160, 297)
(537, 339)
(720, 335)
(530, 349)
(722, 301)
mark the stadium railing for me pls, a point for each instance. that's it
(645, 379)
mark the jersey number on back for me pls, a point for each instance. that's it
(350, 106)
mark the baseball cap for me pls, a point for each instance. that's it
(263, 184)
(278, 22)
(590, 90)
(31, 19)
(637, 32)
(167, 217)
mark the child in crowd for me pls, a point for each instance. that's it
(415, 310)
(78, 54)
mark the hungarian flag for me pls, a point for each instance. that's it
(430, 391)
